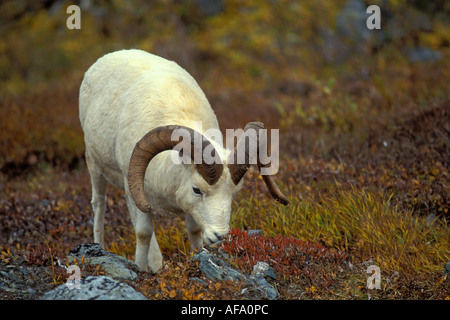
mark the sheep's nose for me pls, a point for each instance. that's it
(219, 236)
(211, 236)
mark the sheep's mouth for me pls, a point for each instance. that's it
(213, 237)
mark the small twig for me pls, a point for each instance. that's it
(51, 257)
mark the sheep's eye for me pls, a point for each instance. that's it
(197, 191)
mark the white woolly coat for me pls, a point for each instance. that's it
(126, 94)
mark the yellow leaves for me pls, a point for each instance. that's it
(217, 285)
(432, 40)
(190, 294)
(437, 38)
(311, 289)
(435, 170)
(60, 205)
(176, 287)
(182, 280)
(172, 293)
(40, 23)
(7, 256)
(73, 45)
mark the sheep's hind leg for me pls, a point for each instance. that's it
(98, 201)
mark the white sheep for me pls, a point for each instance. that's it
(130, 104)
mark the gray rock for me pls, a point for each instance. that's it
(423, 54)
(95, 288)
(431, 219)
(196, 279)
(13, 276)
(351, 21)
(254, 232)
(116, 266)
(214, 268)
(447, 268)
(260, 271)
(350, 35)
(210, 7)
(217, 269)
(265, 287)
(264, 269)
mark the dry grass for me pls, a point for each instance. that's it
(363, 223)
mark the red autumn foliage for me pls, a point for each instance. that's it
(288, 256)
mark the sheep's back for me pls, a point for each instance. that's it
(127, 93)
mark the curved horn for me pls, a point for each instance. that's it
(238, 167)
(274, 190)
(238, 170)
(159, 140)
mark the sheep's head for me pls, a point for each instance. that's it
(208, 205)
(208, 191)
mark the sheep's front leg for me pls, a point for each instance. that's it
(144, 231)
(195, 233)
(148, 255)
(155, 257)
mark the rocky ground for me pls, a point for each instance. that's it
(107, 276)
(20, 281)
(207, 274)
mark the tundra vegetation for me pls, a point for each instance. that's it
(364, 141)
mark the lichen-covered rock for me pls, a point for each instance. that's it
(116, 266)
(214, 268)
(217, 269)
(263, 285)
(95, 288)
(264, 269)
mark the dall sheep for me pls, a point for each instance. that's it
(130, 104)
